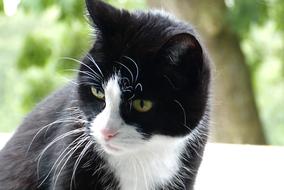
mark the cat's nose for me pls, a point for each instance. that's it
(108, 133)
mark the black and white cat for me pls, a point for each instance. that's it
(136, 117)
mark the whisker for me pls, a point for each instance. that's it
(91, 84)
(136, 66)
(171, 58)
(190, 130)
(77, 145)
(133, 95)
(183, 110)
(71, 152)
(83, 152)
(59, 157)
(126, 90)
(65, 120)
(170, 82)
(125, 78)
(139, 85)
(82, 63)
(98, 169)
(93, 77)
(89, 56)
(129, 71)
(87, 79)
(70, 80)
(75, 131)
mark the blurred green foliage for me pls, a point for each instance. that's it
(277, 13)
(71, 9)
(260, 27)
(1, 6)
(36, 52)
(41, 37)
(245, 13)
(35, 42)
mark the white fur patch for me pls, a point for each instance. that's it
(127, 138)
(151, 166)
(138, 164)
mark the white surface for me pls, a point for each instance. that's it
(235, 167)
(4, 137)
(242, 167)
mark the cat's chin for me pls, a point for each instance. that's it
(111, 149)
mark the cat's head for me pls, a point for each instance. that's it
(144, 82)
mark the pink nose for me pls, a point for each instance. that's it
(108, 133)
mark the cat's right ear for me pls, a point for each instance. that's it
(104, 16)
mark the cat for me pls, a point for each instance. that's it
(135, 118)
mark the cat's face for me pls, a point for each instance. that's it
(144, 82)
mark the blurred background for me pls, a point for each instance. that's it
(245, 39)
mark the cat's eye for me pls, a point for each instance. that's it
(97, 93)
(142, 105)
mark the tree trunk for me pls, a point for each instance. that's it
(235, 116)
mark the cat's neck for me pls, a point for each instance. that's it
(155, 165)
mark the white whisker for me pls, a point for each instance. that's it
(183, 110)
(82, 153)
(80, 62)
(75, 131)
(129, 71)
(133, 95)
(89, 56)
(136, 66)
(139, 85)
(65, 120)
(170, 82)
(70, 80)
(93, 77)
(125, 78)
(59, 157)
(71, 152)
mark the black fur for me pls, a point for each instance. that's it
(173, 70)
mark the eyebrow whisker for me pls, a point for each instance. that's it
(129, 71)
(89, 56)
(136, 66)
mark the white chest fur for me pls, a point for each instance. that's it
(155, 165)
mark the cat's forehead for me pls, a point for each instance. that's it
(141, 34)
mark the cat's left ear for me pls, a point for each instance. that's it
(104, 16)
(183, 59)
(181, 48)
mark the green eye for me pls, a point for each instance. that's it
(142, 105)
(97, 93)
